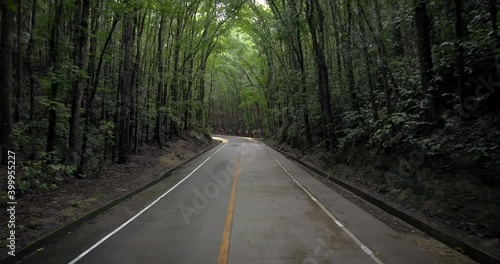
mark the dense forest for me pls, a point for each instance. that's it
(89, 81)
(84, 82)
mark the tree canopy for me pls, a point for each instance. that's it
(89, 81)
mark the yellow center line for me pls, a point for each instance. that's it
(226, 234)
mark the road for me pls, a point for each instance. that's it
(240, 202)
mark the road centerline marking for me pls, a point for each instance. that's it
(347, 231)
(226, 234)
(141, 212)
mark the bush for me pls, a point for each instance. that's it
(43, 174)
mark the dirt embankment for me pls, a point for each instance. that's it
(39, 213)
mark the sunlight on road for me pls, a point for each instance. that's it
(223, 140)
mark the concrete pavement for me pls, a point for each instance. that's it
(240, 202)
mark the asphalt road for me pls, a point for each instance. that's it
(240, 202)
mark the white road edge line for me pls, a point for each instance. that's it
(141, 212)
(351, 235)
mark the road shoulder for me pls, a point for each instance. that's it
(377, 232)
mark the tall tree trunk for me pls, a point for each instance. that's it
(136, 38)
(201, 94)
(349, 60)
(29, 54)
(337, 31)
(305, 108)
(399, 47)
(209, 110)
(19, 62)
(81, 60)
(54, 63)
(187, 93)
(425, 55)
(371, 94)
(460, 29)
(315, 12)
(493, 7)
(135, 83)
(92, 90)
(299, 54)
(124, 141)
(6, 54)
(174, 82)
(383, 57)
(161, 86)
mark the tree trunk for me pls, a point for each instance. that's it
(460, 29)
(136, 84)
(300, 61)
(29, 54)
(54, 63)
(161, 86)
(6, 54)
(305, 108)
(19, 62)
(315, 11)
(425, 55)
(124, 141)
(81, 59)
(174, 82)
(349, 60)
(383, 58)
(493, 7)
(399, 47)
(371, 94)
(92, 90)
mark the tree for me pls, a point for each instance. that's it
(105, 78)
(81, 58)
(460, 30)
(425, 55)
(125, 88)
(161, 85)
(54, 45)
(317, 33)
(19, 61)
(367, 61)
(6, 54)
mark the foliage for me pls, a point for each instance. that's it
(329, 73)
(44, 174)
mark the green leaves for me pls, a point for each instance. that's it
(107, 128)
(62, 110)
(11, 5)
(43, 174)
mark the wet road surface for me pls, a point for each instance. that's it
(240, 202)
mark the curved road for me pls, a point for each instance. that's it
(240, 202)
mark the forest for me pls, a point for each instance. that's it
(407, 87)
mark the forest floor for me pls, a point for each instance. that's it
(364, 173)
(39, 213)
